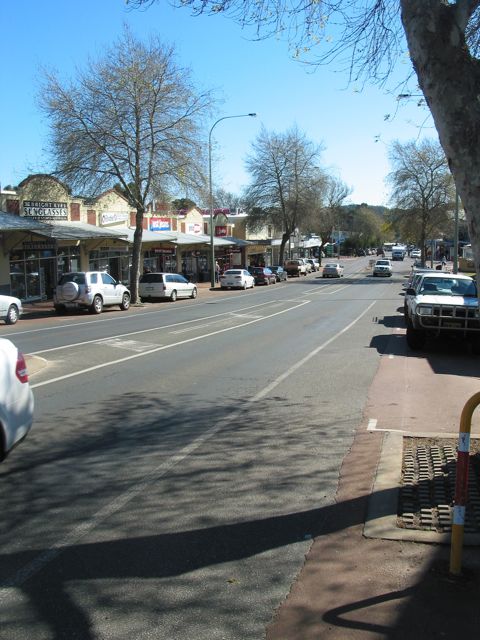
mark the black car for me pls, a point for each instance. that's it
(263, 275)
(279, 272)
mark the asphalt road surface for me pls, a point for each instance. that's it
(171, 483)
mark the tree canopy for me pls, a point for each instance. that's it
(286, 181)
(132, 118)
(368, 37)
(422, 188)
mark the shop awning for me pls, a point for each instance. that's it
(177, 238)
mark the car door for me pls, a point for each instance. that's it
(183, 286)
(111, 293)
(3, 306)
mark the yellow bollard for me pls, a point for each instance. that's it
(461, 484)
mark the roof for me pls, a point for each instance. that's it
(12, 222)
(176, 237)
(60, 229)
(63, 230)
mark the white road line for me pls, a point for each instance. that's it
(74, 374)
(137, 332)
(77, 533)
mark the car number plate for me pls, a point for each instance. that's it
(451, 323)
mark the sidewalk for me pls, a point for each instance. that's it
(365, 588)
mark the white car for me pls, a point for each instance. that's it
(16, 397)
(237, 279)
(90, 290)
(382, 267)
(169, 286)
(10, 309)
(332, 270)
(415, 253)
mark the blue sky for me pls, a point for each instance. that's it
(248, 76)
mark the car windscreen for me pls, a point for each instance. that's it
(151, 277)
(78, 278)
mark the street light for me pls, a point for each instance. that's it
(212, 246)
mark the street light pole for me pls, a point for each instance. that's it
(212, 245)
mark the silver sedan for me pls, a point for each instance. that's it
(332, 270)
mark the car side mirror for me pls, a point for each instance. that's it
(410, 292)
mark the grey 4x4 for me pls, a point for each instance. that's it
(90, 290)
(441, 304)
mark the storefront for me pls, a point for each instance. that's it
(36, 267)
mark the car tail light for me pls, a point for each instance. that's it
(88, 289)
(21, 368)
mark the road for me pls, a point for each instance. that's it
(171, 484)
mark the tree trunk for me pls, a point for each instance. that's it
(285, 238)
(136, 254)
(449, 79)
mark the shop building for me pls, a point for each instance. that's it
(46, 231)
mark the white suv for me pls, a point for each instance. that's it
(90, 290)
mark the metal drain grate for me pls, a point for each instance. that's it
(427, 487)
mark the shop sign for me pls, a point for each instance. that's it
(160, 224)
(113, 217)
(45, 210)
(194, 227)
(40, 245)
(170, 251)
(221, 231)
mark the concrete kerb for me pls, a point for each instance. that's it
(381, 521)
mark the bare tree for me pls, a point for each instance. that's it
(368, 37)
(132, 118)
(423, 192)
(285, 180)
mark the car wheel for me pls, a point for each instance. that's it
(194, 292)
(12, 314)
(125, 304)
(415, 337)
(173, 296)
(97, 305)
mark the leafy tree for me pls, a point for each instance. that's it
(422, 188)
(370, 36)
(183, 203)
(285, 181)
(133, 117)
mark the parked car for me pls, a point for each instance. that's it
(10, 309)
(415, 253)
(382, 267)
(412, 281)
(237, 279)
(90, 290)
(165, 286)
(332, 270)
(295, 268)
(16, 397)
(443, 304)
(263, 275)
(315, 265)
(279, 272)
